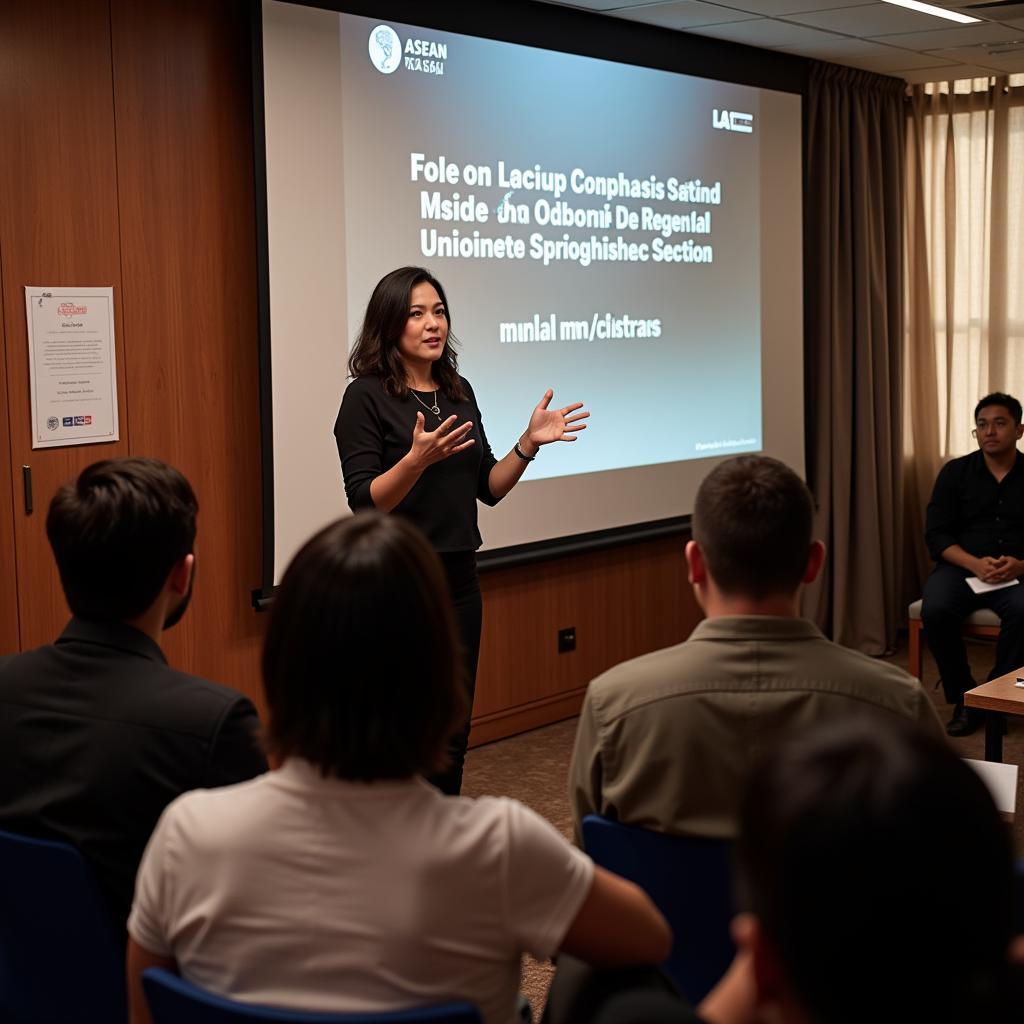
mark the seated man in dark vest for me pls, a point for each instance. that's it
(97, 733)
(975, 529)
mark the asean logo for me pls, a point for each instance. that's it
(52, 423)
(385, 49)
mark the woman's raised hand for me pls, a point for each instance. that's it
(547, 425)
(430, 446)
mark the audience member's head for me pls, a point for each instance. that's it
(361, 665)
(999, 400)
(122, 535)
(752, 530)
(879, 878)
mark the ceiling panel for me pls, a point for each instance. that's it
(685, 14)
(782, 8)
(865, 34)
(870, 20)
(767, 33)
(940, 75)
(994, 12)
(964, 6)
(962, 35)
(1007, 64)
(900, 60)
(605, 5)
(967, 55)
(840, 50)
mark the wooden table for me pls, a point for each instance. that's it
(999, 697)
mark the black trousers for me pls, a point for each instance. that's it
(947, 602)
(464, 588)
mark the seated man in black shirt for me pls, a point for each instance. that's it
(97, 733)
(975, 527)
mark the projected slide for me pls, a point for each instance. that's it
(626, 235)
(596, 227)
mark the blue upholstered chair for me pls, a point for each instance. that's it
(60, 957)
(689, 880)
(173, 1000)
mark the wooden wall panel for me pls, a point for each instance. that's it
(58, 226)
(132, 165)
(182, 100)
(622, 602)
(8, 578)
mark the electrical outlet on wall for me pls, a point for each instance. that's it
(567, 640)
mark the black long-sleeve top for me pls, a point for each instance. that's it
(971, 508)
(374, 431)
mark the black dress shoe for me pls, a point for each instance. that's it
(964, 721)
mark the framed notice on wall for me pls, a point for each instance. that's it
(71, 364)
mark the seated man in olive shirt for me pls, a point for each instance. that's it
(975, 527)
(97, 732)
(666, 741)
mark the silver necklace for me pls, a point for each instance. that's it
(435, 408)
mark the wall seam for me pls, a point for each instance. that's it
(119, 328)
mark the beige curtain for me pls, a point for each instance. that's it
(964, 277)
(853, 231)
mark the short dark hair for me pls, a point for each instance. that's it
(361, 664)
(1008, 402)
(852, 837)
(752, 519)
(376, 352)
(117, 532)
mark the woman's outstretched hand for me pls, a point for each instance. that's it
(547, 425)
(430, 446)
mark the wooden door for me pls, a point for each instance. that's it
(183, 108)
(8, 580)
(59, 227)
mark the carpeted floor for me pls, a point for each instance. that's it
(533, 768)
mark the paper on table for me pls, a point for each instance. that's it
(981, 587)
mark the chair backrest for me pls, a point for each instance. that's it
(689, 880)
(172, 1000)
(60, 957)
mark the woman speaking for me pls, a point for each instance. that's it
(411, 440)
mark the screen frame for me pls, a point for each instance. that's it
(582, 33)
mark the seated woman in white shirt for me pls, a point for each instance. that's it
(343, 881)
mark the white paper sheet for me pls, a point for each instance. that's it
(981, 587)
(71, 365)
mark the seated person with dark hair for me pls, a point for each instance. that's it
(666, 741)
(848, 836)
(975, 527)
(343, 881)
(97, 733)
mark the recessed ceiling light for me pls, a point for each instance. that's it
(938, 12)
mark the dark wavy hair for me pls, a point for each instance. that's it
(361, 662)
(376, 351)
(853, 837)
(117, 532)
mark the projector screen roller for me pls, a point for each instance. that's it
(627, 236)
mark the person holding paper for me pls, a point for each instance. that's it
(974, 530)
(411, 441)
